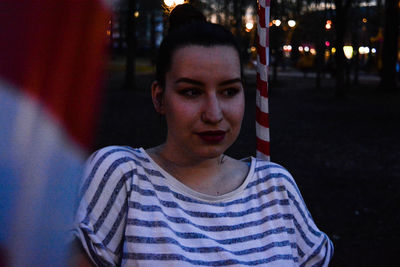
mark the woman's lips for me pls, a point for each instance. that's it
(212, 136)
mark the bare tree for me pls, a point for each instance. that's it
(340, 21)
(131, 45)
(389, 55)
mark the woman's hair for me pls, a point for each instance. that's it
(188, 26)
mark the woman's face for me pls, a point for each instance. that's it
(203, 100)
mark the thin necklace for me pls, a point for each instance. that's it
(222, 159)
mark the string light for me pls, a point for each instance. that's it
(348, 51)
(249, 26)
(328, 24)
(171, 3)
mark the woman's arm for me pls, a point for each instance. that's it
(101, 214)
(79, 258)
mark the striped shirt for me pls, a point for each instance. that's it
(132, 212)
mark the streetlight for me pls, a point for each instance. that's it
(171, 3)
(287, 48)
(277, 22)
(291, 23)
(328, 24)
(363, 50)
(348, 51)
(249, 26)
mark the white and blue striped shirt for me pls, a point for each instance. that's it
(132, 212)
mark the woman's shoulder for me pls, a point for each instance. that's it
(111, 165)
(111, 158)
(262, 166)
(117, 153)
(271, 173)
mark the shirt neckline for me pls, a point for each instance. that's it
(182, 188)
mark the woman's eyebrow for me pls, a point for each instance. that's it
(188, 80)
(195, 82)
(236, 80)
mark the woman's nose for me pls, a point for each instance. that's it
(212, 112)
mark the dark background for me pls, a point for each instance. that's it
(343, 153)
(334, 124)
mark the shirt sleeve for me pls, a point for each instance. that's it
(314, 247)
(101, 214)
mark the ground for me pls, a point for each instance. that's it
(343, 153)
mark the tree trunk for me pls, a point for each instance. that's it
(320, 56)
(238, 17)
(153, 31)
(227, 22)
(121, 31)
(319, 65)
(389, 55)
(355, 61)
(356, 65)
(275, 70)
(320, 51)
(340, 26)
(131, 46)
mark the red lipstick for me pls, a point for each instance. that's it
(212, 136)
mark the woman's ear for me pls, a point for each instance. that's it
(157, 93)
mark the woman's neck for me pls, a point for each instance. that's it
(212, 176)
(175, 157)
(181, 166)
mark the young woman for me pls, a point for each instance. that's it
(184, 202)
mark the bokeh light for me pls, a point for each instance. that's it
(348, 51)
(287, 48)
(249, 26)
(169, 2)
(363, 50)
(328, 24)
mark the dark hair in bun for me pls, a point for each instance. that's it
(188, 26)
(184, 14)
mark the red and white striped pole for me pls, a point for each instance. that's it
(262, 118)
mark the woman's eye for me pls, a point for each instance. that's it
(191, 92)
(230, 91)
